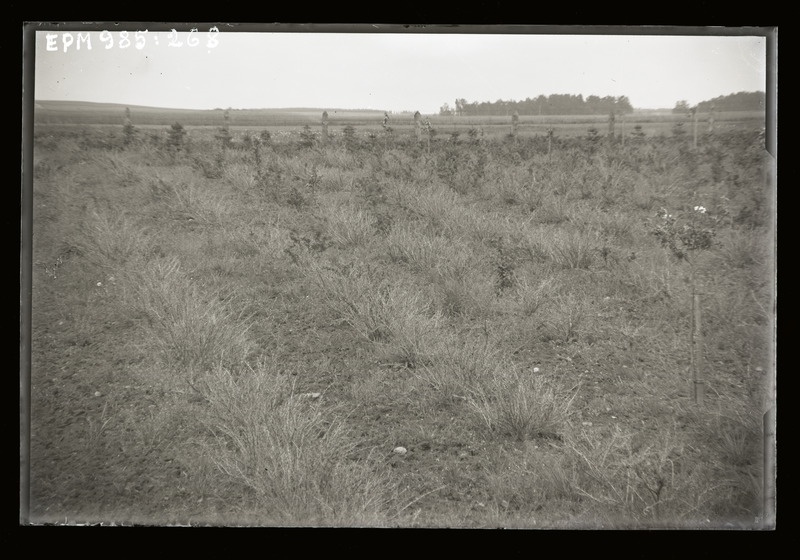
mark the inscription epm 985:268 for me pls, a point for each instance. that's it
(65, 41)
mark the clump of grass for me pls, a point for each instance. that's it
(425, 253)
(567, 317)
(118, 167)
(297, 465)
(398, 319)
(212, 166)
(574, 250)
(515, 403)
(462, 294)
(240, 176)
(531, 298)
(110, 238)
(192, 330)
(552, 210)
(188, 200)
(535, 243)
(462, 365)
(348, 226)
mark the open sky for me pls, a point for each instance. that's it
(387, 71)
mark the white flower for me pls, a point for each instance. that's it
(700, 209)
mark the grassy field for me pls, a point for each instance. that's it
(465, 331)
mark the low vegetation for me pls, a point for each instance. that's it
(456, 331)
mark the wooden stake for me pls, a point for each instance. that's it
(698, 383)
(514, 124)
(324, 128)
(611, 119)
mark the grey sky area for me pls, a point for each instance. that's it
(390, 71)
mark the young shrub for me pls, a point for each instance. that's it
(175, 136)
(128, 130)
(307, 137)
(350, 140)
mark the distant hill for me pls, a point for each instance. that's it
(85, 112)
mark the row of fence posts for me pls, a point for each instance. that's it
(419, 125)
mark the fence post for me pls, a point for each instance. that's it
(711, 121)
(429, 129)
(417, 127)
(611, 119)
(698, 383)
(324, 128)
(514, 124)
(694, 127)
(224, 135)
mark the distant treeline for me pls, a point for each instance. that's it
(556, 104)
(741, 101)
